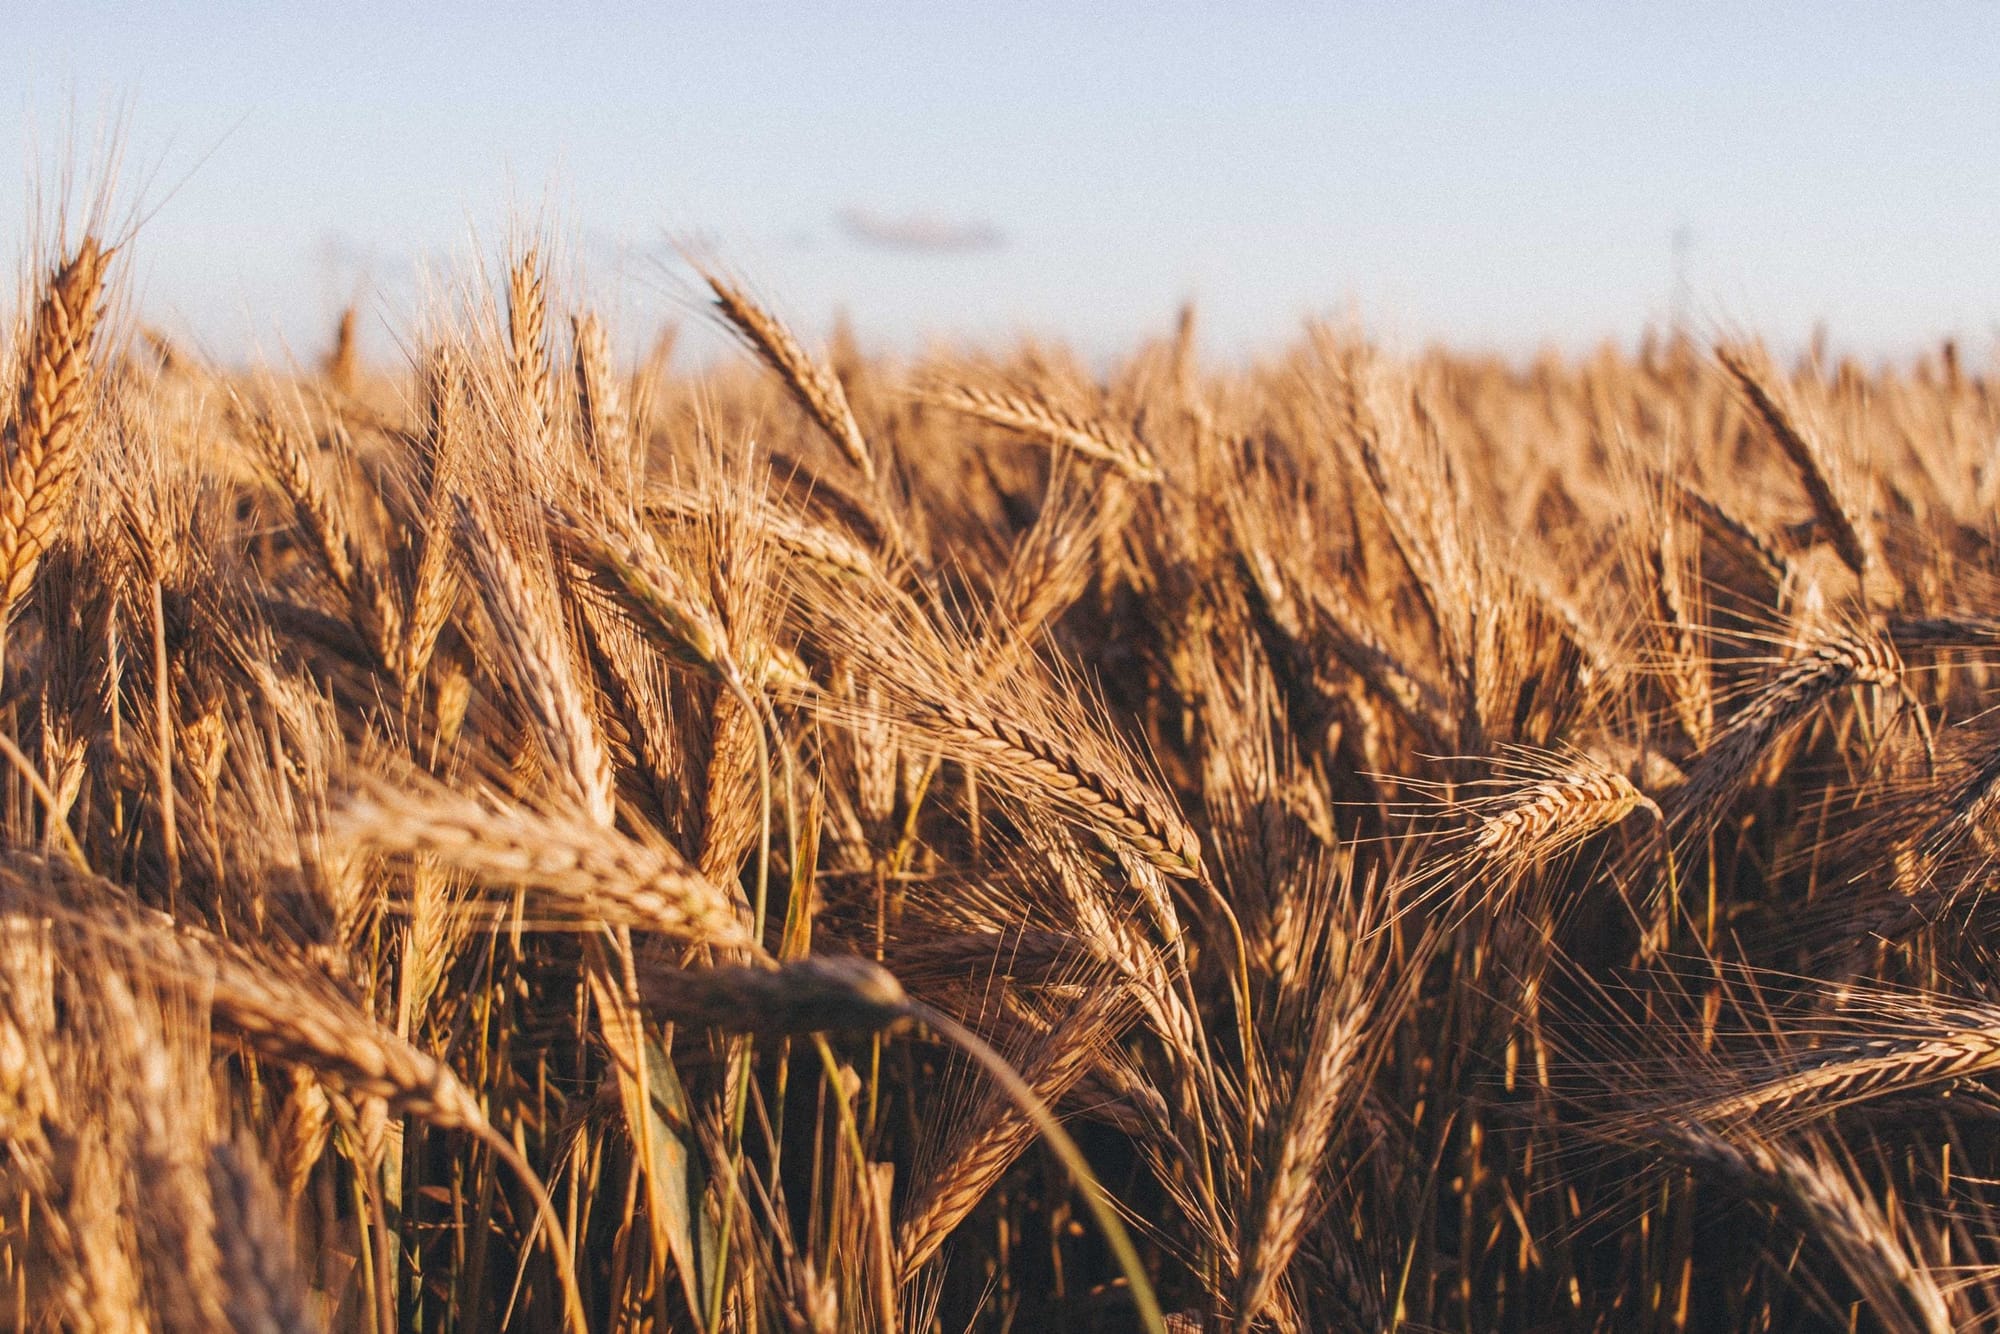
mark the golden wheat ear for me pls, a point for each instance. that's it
(45, 447)
(1037, 419)
(1842, 519)
(528, 337)
(815, 388)
(262, 1286)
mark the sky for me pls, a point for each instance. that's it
(1498, 176)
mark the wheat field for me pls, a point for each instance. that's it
(531, 837)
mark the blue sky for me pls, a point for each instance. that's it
(1498, 175)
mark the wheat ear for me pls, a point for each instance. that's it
(985, 1143)
(1842, 524)
(1834, 661)
(1556, 813)
(600, 874)
(528, 338)
(1827, 1208)
(262, 1287)
(1121, 451)
(45, 448)
(819, 994)
(1960, 1040)
(599, 409)
(813, 386)
(342, 359)
(1046, 768)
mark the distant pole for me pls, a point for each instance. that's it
(1681, 296)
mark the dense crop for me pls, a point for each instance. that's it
(1353, 843)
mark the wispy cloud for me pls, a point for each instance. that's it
(919, 233)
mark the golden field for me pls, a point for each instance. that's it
(529, 837)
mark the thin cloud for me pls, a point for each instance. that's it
(919, 233)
